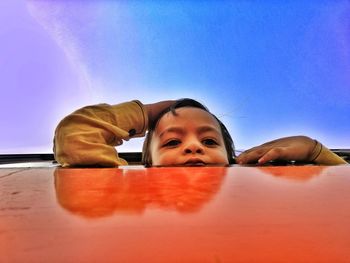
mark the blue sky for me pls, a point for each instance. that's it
(267, 69)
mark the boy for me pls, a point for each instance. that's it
(180, 133)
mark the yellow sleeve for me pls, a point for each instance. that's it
(323, 156)
(88, 136)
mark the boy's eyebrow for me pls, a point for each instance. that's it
(208, 128)
(180, 130)
(172, 129)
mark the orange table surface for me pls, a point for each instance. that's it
(209, 214)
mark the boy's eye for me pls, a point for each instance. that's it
(172, 143)
(209, 142)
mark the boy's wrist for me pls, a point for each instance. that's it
(316, 151)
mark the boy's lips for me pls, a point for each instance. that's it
(194, 162)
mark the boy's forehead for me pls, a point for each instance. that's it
(188, 114)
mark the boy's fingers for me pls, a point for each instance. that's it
(252, 155)
(262, 155)
(273, 154)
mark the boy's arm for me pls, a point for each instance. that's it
(296, 148)
(88, 136)
(322, 155)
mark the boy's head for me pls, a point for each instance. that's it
(187, 134)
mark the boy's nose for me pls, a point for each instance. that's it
(193, 147)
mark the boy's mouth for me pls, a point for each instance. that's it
(194, 162)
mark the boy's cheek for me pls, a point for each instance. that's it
(162, 158)
(221, 158)
(167, 159)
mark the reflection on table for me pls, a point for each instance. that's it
(102, 192)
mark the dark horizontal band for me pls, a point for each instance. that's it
(130, 157)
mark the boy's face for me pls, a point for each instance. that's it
(192, 137)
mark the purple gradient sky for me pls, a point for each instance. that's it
(268, 70)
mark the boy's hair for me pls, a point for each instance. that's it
(146, 155)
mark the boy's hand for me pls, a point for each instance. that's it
(154, 109)
(296, 148)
